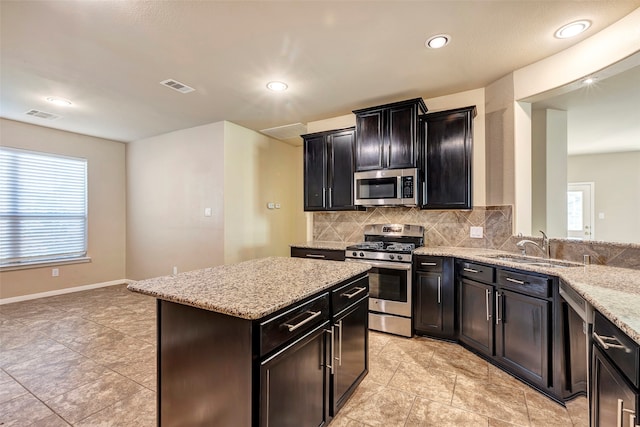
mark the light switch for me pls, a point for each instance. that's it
(207, 211)
(601, 215)
(476, 232)
(271, 205)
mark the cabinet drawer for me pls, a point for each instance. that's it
(524, 283)
(478, 272)
(328, 254)
(624, 352)
(350, 293)
(293, 323)
(429, 263)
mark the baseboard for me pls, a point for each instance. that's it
(62, 291)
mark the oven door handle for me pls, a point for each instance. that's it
(383, 264)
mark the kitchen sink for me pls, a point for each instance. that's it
(541, 262)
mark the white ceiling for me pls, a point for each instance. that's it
(108, 57)
(603, 117)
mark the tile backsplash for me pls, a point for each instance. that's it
(452, 228)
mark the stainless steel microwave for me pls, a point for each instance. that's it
(387, 187)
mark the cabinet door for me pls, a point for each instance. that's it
(370, 140)
(341, 165)
(614, 402)
(293, 384)
(429, 303)
(476, 315)
(574, 339)
(447, 159)
(522, 335)
(401, 136)
(351, 360)
(315, 173)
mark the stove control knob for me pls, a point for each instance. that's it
(399, 257)
(361, 253)
(391, 256)
(354, 253)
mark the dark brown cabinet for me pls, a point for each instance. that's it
(615, 376)
(387, 135)
(294, 384)
(446, 156)
(509, 316)
(326, 254)
(522, 335)
(435, 297)
(328, 170)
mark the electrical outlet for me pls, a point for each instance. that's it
(476, 232)
(277, 205)
(175, 270)
(55, 272)
(207, 211)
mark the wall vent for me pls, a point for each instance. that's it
(286, 132)
(176, 85)
(42, 115)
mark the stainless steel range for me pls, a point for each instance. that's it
(388, 248)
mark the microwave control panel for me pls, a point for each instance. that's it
(407, 187)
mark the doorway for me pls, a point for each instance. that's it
(580, 210)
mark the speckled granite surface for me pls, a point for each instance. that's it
(251, 289)
(338, 246)
(615, 292)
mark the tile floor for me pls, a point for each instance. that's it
(88, 359)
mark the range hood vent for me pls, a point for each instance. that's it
(176, 85)
(42, 115)
(286, 132)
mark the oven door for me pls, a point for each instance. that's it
(389, 287)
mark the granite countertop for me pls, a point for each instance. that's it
(614, 292)
(338, 246)
(251, 289)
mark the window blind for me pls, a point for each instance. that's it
(43, 207)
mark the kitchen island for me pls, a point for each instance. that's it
(260, 342)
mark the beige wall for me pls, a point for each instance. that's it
(259, 170)
(171, 179)
(106, 209)
(617, 192)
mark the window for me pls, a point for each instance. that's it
(43, 207)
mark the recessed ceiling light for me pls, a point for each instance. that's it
(589, 81)
(573, 29)
(438, 41)
(277, 86)
(59, 101)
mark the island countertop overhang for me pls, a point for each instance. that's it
(251, 289)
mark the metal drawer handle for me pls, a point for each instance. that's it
(607, 345)
(488, 294)
(519, 282)
(353, 294)
(332, 350)
(314, 314)
(429, 263)
(315, 256)
(621, 411)
(471, 270)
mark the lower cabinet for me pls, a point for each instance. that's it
(434, 307)
(476, 315)
(522, 335)
(294, 384)
(350, 355)
(615, 376)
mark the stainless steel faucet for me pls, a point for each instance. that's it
(545, 248)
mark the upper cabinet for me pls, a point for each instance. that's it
(387, 135)
(447, 139)
(328, 170)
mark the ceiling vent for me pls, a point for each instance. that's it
(42, 115)
(176, 85)
(286, 132)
